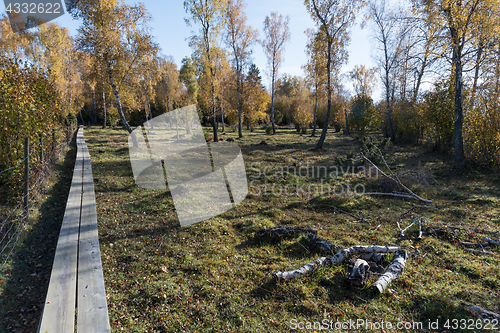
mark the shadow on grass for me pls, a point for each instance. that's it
(26, 286)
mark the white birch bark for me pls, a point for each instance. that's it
(337, 259)
(396, 269)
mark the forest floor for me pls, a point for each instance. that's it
(216, 275)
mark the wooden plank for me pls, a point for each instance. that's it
(59, 309)
(92, 310)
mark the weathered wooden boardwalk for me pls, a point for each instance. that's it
(76, 289)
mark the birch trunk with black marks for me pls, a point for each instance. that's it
(396, 269)
(119, 105)
(337, 259)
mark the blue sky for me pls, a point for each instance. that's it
(171, 32)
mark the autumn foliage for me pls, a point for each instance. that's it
(29, 107)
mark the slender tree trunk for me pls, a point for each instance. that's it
(238, 101)
(322, 138)
(83, 121)
(168, 95)
(272, 99)
(388, 91)
(315, 112)
(476, 74)
(118, 103)
(419, 80)
(222, 112)
(104, 107)
(214, 112)
(149, 106)
(346, 122)
(458, 143)
(94, 110)
(497, 78)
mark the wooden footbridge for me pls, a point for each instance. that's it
(76, 298)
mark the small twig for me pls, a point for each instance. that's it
(399, 195)
(406, 213)
(402, 234)
(358, 219)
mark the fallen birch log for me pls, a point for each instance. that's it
(318, 244)
(359, 271)
(377, 258)
(396, 269)
(337, 259)
(281, 231)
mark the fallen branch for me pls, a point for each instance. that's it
(337, 259)
(319, 244)
(281, 231)
(399, 195)
(402, 233)
(394, 179)
(396, 269)
(483, 312)
(493, 242)
(479, 251)
(481, 245)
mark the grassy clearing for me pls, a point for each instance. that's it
(215, 276)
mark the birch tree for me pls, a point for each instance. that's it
(333, 18)
(277, 33)
(391, 36)
(462, 20)
(118, 35)
(209, 14)
(315, 70)
(240, 39)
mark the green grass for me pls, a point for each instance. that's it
(215, 276)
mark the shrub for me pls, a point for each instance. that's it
(29, 107)
(363, 114)
(438, 111)
(482, 131)
(269, 129)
